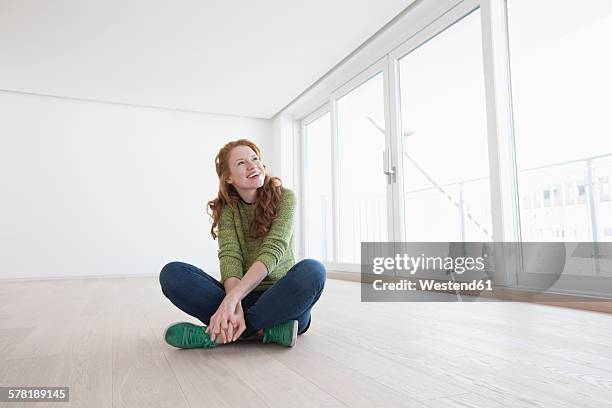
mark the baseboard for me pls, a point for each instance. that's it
(347, 276)
(67, 277)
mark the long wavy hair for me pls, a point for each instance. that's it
(266, 202)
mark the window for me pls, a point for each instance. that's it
(581, 192)
(604, 189)
(546, 194)
(561, 86)
(445, 154)
(362, 184)
(560, 89)
(558, 201)
(569, 193)
(318, 187)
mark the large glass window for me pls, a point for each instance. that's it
(445, 154)
(318, 187)
(362, 183)
(560, 90)
(561, 86)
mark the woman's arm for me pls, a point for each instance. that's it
(236, 322)
(278, 239)
(230, 260)
(256, 273)
(230, 253)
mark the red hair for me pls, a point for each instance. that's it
(266, 202)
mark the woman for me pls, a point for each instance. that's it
(262, 294)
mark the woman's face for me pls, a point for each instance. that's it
(246, 170)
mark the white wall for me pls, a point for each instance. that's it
(91, 189)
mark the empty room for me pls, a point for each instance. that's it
(346, 203)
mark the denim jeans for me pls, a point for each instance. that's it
(291, 298)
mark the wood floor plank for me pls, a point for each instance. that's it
(207, 380)
(10, 338)
(141, 373)
(276, 384)
(472, 400)
(88, 365)
(514, 379)
(205, 376)
(409, 381)
(338, 379)
(55, 314)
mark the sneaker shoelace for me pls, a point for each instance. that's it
(196, 336)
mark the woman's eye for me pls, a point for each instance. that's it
(255, 158)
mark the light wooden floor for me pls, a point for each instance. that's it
(103, 338)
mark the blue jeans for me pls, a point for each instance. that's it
(291, 298)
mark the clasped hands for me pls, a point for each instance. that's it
(228, 321)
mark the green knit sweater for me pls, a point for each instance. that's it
(238, 251)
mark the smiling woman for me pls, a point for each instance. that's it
(262, 293)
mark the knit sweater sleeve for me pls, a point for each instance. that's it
(278, 239)
(230, 254)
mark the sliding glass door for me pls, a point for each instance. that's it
(362, 193)
(561, 87)
(443, 137)
(318, 225)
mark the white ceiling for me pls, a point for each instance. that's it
(238, 57)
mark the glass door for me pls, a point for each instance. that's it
(362, 180)
(443, 141)
(317, 159)
(561, 88)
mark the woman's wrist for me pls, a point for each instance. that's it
(230, 293)
(233, 298)
(230, 283)
(256, 273)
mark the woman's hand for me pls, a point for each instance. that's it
(228, 320)
(237, 322)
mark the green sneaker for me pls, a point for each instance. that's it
(187, 336)
(284, 334)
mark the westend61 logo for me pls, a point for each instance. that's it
(411, 264)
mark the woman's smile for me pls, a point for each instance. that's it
(256, 175)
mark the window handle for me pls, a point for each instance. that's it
(387, 169)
